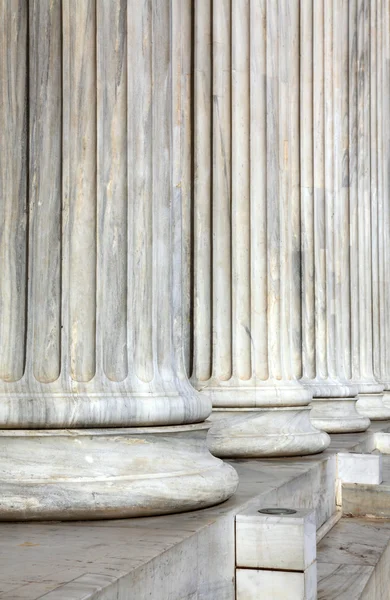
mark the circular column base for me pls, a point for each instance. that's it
(264, 432)
(109, 473)
(329, 388)
(102, 410)
(338, 415)
(257, 394)
(369, 387)
(373, 407)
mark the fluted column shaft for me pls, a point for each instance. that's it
(328, 34)
(94, 166)
(352, 40)
(91, 339)
(247, 284)
(363, 208)
(325, 260)
(381, 209)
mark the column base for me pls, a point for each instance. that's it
(264, 432)
(109, 473)
(330, 388)
(373, 407)
(338, 415)
(57, 410)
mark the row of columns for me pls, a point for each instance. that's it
(194, 212)
(350, 36)
(290, 213)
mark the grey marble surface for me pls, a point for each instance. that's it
(91, 283)
(290, 164)
(352, 561)
(92, 208)
(109, 473)
(13, 187)
(246, 217)
(324, 199)
(340, 167)
(342, 582)
(38, 558)
(247, 227)
(363, 200)
(381, 323)
(264, 432)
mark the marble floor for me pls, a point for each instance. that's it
(185, 556)
(353, 561)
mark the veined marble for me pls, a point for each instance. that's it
(340, 258)
(109, 473)
(338, 415)
(365, 205)
(326, 342)
(353, 561)
(102, 344)
(251, 432)
(381, 208)
(274, 584)
(193, 212)
(277, 542)
(359, 468)
(247, 282)
(91, 250)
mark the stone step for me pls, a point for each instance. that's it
(361, 500)
(353, 561)
(368, 499)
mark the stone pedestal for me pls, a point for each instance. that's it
(90, 284)
(252, 432)
(338, 415)
(247, 284)
(80, 474)
(326, 339)
(276, 553)
(373, 406)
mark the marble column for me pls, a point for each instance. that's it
(325, 194)
(247, 315)
(364, 159)
(381, 208)
(97, 416)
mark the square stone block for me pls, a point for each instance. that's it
(284, 541)
(252, 584)
(359, 468)
(382, 442)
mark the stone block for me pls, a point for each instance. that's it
(253, 584)
(382, 442)
(276, 541)
(359, 468)
(366, 500)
